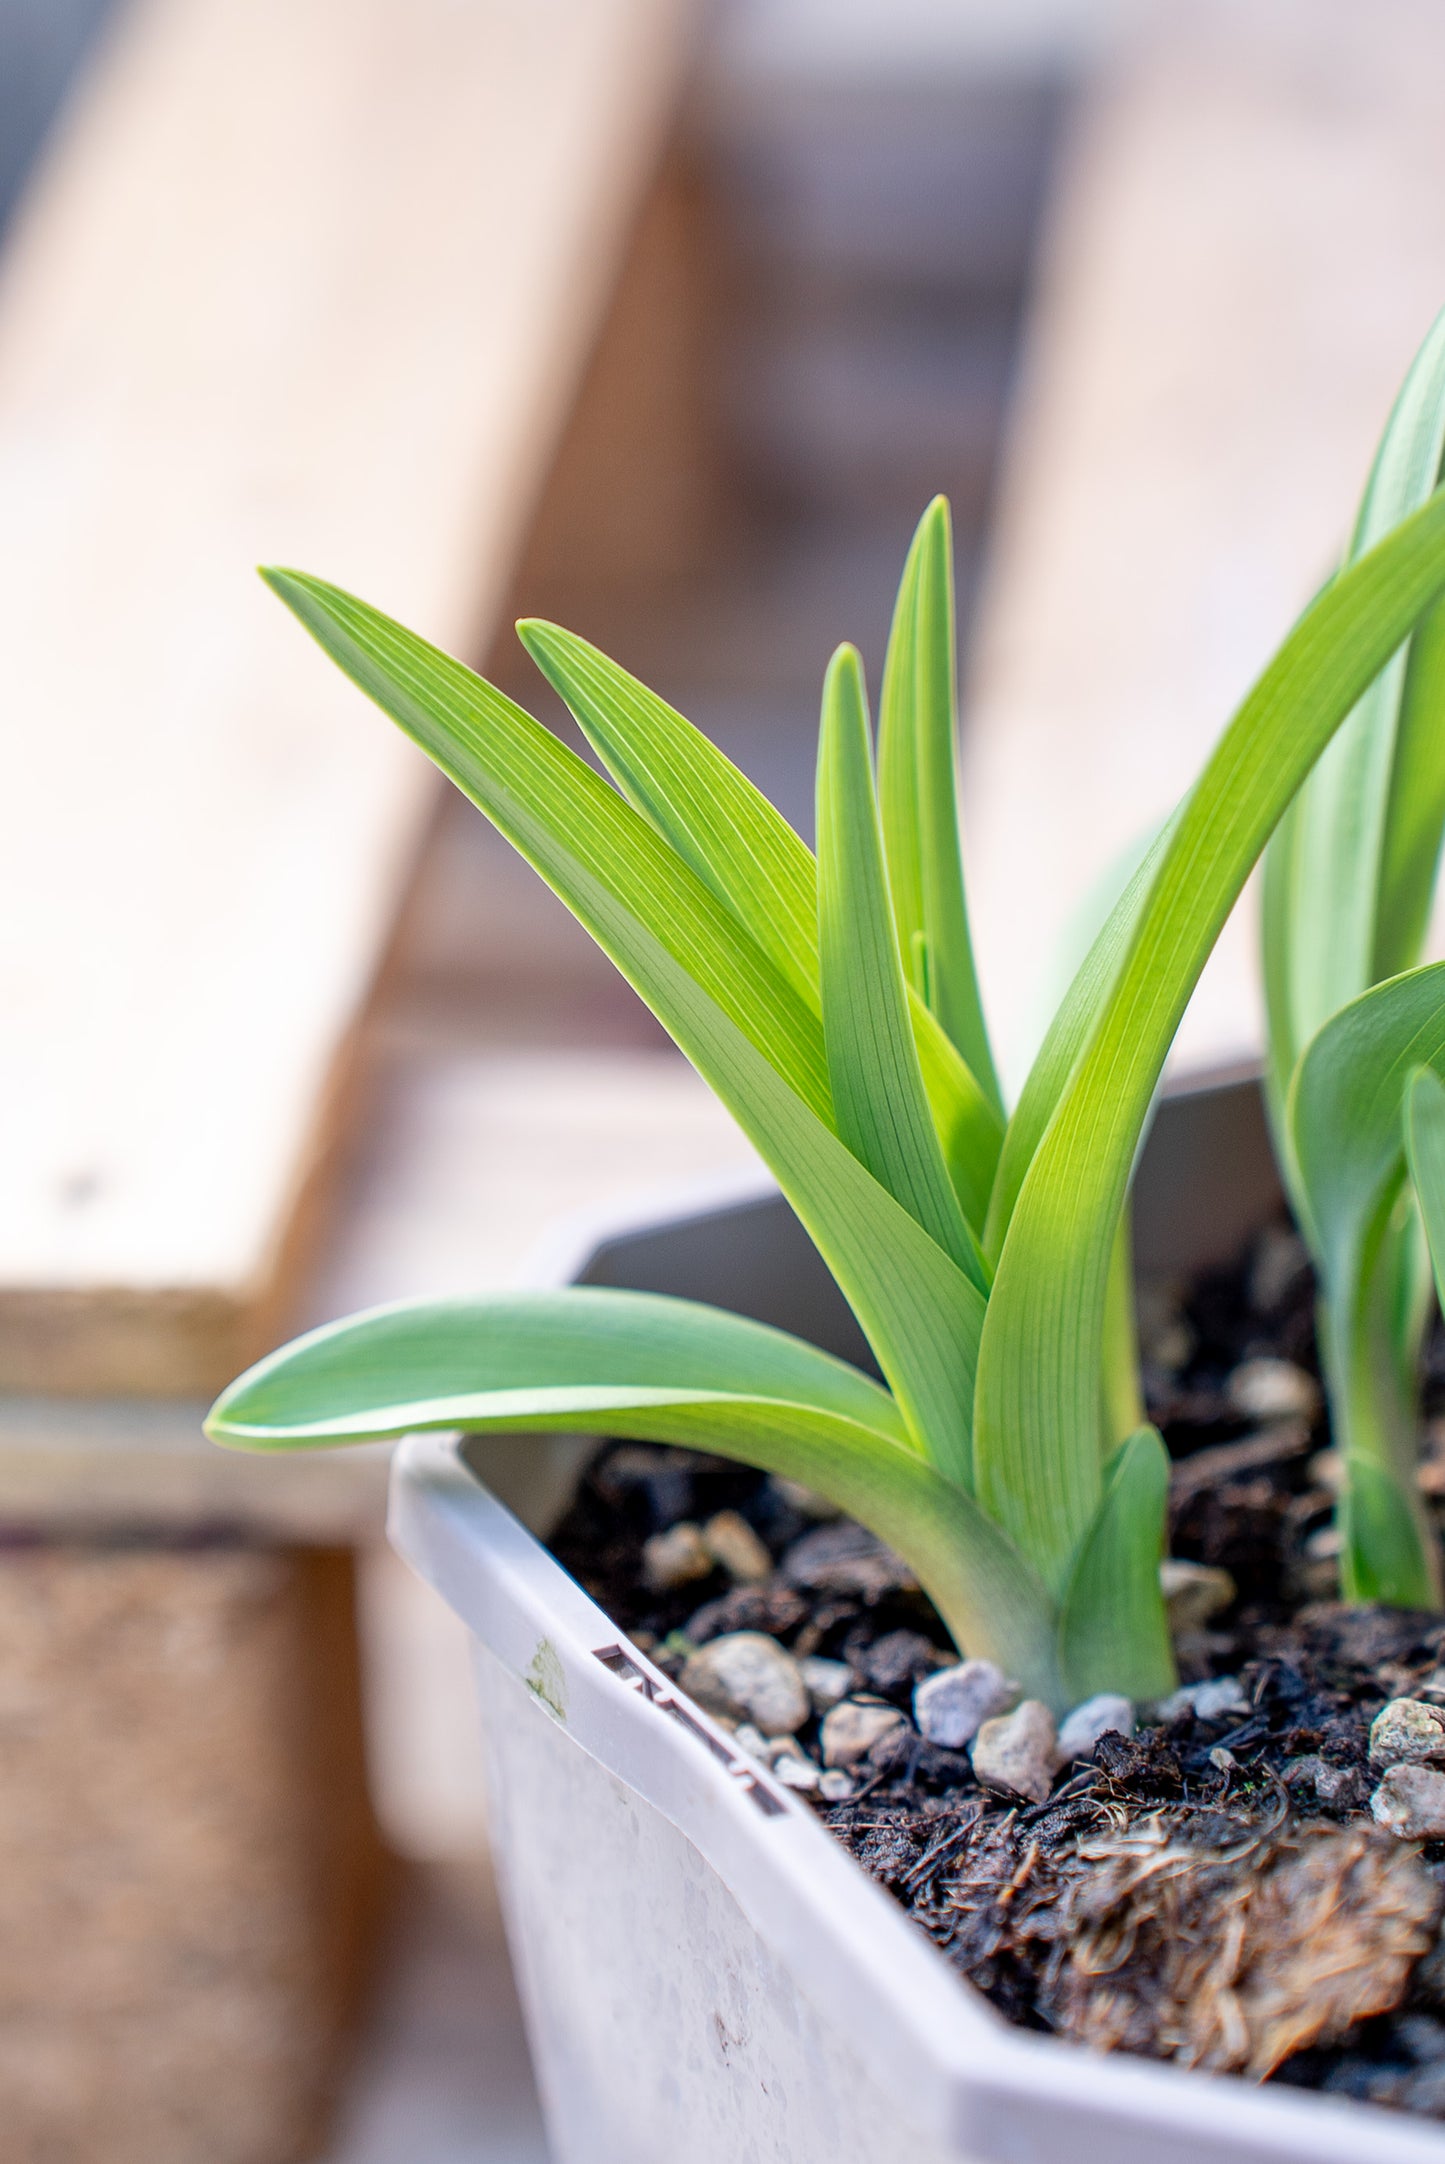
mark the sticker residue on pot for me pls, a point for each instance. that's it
(545, 1678)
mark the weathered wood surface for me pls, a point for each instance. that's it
(468, 1158)
(307, 280)
(1248, 242)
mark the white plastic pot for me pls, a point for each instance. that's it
(707, 1977)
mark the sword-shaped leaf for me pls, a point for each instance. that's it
(1348, 1133)
(880, 1105)
(745, 851)
(663, 1370)
(1113, 1631)
(1347, 1105)
(1064, 1041)
(1039, 1387)
(1367, 821)
(918, 796)
(685, 955)
(719, 824)
(1425, 1155)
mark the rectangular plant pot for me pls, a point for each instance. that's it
(705, 1973)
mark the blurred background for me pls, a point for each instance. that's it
(666, 321)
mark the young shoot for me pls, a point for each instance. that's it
(832, 1004)
(1352, 1020)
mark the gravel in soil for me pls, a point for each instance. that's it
(1213, 1888)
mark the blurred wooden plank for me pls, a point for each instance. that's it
(1248, 243)
(310, 280)
(468, 1161)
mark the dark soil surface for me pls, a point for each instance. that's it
(1212, 1890)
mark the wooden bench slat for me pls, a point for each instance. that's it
(1248, 244)
(307, 280)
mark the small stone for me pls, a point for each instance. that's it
(749, 1677)
(677, 1557)
(896, 1661)
(1327, 1470)
(827, 1681)
(850, 1731)
(835, 1786)
(1407, 1731)
(750, 1739)
(1208, 1701)
(1325, 1544)
(1433, 1685)
(845, 1558)
(1342, 1788)
(1194, 1593)
(1273, 1390)
(1106, 1714)
(792, 1769)
(1016, 1752)
(952, 1705)
(772, 1609)
(1410, 1802)
(732, 1544)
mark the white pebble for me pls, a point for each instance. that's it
(1193, 1593)
(748, 1677)
(748, 1738)
(952, 1705)
(827, 1681)
(1410, 1802)
(1096, 1717)
(1208, 1701)
(1016, 1752)
(732, 1544)
(1407, 1730)
(676, 1557)
(850, 1731)
(792, 1770)
(836, 1786)
(1273, 1390)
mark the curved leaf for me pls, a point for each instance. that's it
(1113, 1631)
(1347, 1104)
(918, 796)
(880, 1107)
(1415, 819)
(1324, 935)
(1347, 1126)
(674, 942)
(1425, 1155)
(641, 1365)
(970, 1131)
(1068, 1033)
(694, 796)
(745, 851)
(1038, 1390)
(1380, 1525)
